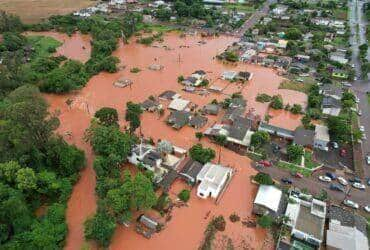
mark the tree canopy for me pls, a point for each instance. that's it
(203, 155)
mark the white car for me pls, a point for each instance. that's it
(358, 186)
(342, 181)
(367, 208)
(367, 159)
(362, 128)
(351, 204)
(357, 100)
(363, 137)
(324, 178)
(359, 112)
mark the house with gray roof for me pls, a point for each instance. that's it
(321, 138)
(178, 119)
(331, 106)
(198, 121)
(346, 230)
(278, 131)
(150, 105)
(304, 137)
(190, 170)
(211, 109)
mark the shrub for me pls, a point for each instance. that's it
(107, 116)
(219, 223)
(234, 217)
(231, 56)
(263, 98)
(203, 155)
(265, 221)
(295, 152)
(184, 195)
(263, 179)
(276, 102)
(296, 109)
(135, 70)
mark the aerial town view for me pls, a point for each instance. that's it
(184, 124)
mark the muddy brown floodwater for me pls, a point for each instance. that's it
(77, 46)
(179, 56)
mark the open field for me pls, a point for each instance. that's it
(33, 11)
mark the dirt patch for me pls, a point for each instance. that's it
(37, 10)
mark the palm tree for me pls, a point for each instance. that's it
(221, 141)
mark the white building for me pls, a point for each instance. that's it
(321, 138)
(268, 200)
(229, 75)
(306, 219)
(179, 104)
(247, 55)
(146, 155)
(213, 179)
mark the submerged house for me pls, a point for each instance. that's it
(269, 200)
(190, 170)
(178, 119)
(213, 179)
(277, 131)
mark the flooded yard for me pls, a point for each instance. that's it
(178, 56)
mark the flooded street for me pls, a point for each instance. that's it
(178, 56)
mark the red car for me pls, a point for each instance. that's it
(265, 163)
(343, 152)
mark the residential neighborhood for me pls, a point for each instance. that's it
(210, 124)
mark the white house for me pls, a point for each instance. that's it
(306, 219)
(268, 200)
(321, 138)
(229, 75)
(179, 104)
(213, 179)
(146, 155)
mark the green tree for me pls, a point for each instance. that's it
(265, 221)
(296, 109)
(184, 195)
(259, 138)
(26, 179)
(8, 171)
(100, 228)
(107, 116)
(263, 179)
(133, 112)
(293, 34)
(203, 155)
(276, 102)
(339, 129)
(144, 196)
(199, 135)
(108, 141)
(295, 152)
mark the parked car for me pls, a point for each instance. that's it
(286, 181)
(357, 100)
(265, 163)
(336, 187)
(343, 152)
(324, 178)
(331, 175)
(363, 136)
(355, 179)
(347, 84)
(368, 181)
(358, 185)
(367, 208)
(367, 158)
(362, 129)
(342, 181)
(351, 204)
(334, 144)
(359, 112)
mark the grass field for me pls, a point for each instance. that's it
(295, 168)
(297, 86)
(43, 45)
(33, 11)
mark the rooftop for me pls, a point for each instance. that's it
(304, 137)
(322, 133)
(179, 104)
(212, 176)
(269, 196)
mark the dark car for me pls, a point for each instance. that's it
(336, 187)
(286, 181)
(355, 179)
(368, 181)
(331, 175)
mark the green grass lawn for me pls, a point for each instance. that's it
(240, 7)
(292, 167)
(155, 27)
(44, 46)
(297, 86)
(308, 161)
(340, 14)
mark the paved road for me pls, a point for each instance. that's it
(360, 87)
(263, 11)
(314, 186)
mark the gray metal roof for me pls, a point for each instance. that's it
(304, 137)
